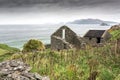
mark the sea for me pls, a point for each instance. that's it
(18, 35)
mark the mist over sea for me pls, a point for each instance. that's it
(17, 35)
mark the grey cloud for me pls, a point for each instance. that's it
(60, 8)
(21, 3)
(59, 5)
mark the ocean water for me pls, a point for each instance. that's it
(17, 35)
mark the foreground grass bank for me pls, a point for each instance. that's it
(75, 65)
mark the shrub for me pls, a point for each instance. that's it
(33, 45)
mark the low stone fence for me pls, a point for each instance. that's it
(17, 70)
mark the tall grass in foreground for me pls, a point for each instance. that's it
(75, 65)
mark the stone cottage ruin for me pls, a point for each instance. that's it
(65, 38)
(97, 36)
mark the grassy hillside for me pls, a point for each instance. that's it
(100, 62)
(115, 34)
(75, 65)
(6, 51)
(8, 48)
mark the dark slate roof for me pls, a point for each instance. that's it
(94, 33)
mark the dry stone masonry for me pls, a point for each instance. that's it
(65, 38)
(17, 70)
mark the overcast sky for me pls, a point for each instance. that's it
(56, 11)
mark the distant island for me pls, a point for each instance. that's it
(90, 21)
(104, 24)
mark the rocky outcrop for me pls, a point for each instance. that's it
(115, 27)
(17, 70)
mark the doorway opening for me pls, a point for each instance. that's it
(98, 40)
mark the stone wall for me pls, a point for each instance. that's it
(56, 44)
(69, 34)
(59, 44)
(93, 41)
(71, 39)
(106, 36)
(90, 40)
(17, 70)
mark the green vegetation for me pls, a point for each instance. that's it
(6, 51)
(8, 48)
(72, 64)
(2, 51)
(33, 45)
(115, 34)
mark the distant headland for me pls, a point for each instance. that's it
(91, 21)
